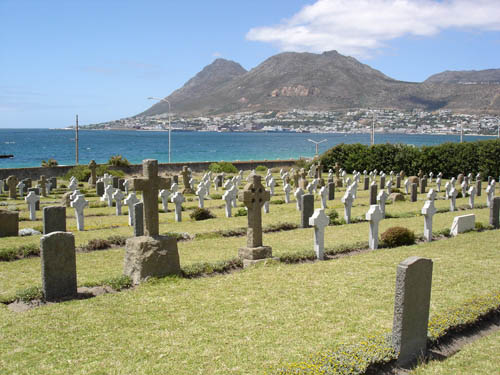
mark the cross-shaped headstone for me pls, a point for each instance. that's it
(453, 199)
(253, 197)
(388, 186)
(93, 177)
(447, 189)
(374, 215)
(407, 186)
(118, 196)
(186, 175)
(381, 199)
(127, 184)
(490, 193)
(108, 195)
(79, 203)
(130, 201)
(107, 179)
(428, 211)
(73, 185)
(323, 193)
(150, 184)
(43, 185)
(287, 189)
(174, 188)
(272, 185)
(298, 196)
(310, 188)
(228, 199)
(201, 192)
(164, 195)
(319, 221)
(472, 195)
(31, 199)
(20, 186)
(347, 200)
(178, 199)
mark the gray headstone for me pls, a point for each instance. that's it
(307, 210)
(331, 191)
(9, 223)
(495, 212)
(373, 193)
(478, 188)
(423, 185)
(398, 181)
(54, 219)
(115, 182)
(382, 181)
(411, 308)
(99, 188)
(366, 183)
(413, 196)
(121, 185)
(37, 192)
(53, 182)
(176, 179)
(139, 219)
(58, 265)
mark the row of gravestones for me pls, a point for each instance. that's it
(13, 186)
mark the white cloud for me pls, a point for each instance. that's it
(216, 54)
(359, 27)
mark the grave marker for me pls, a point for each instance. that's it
(307, 210)
(462, 224)
(31, 199)
(319, 221)
(130, 201)
(12, 182)
(54, 219)
(495, 212)
(178, 199)
(93, 176)
(9, 223)
(374, 215)
(79, 204)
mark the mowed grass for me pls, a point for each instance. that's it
(479, 358)
(240, 323)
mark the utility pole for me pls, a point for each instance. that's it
(317, 144)
(461, 132)
(372, 139)
(76, 140)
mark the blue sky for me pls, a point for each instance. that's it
(102, 59)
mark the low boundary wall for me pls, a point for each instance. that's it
(136, 169)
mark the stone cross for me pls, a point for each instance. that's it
(234, 194)
(178, 199)
(126, 186)
(447, 189)
(429, 210)
(319, 221)
(228, 199)
(150, 184)
(130, 201)
(323, 193)
(20, 186)
(287, 189)
(472, 194)
(407, 186)
(108, 195)
(298, 196)
(389, 187)
(438, 184)
(79, 204)
(107, 179)
(201, 192)
(347, 200)
(174, 188)
(310, 188)
(31, 199)
(272, 184)
(490, 193)
(73, 185)
(374, 215)
(74, 194)
(253, 197)
(185, 180)
(381, 199)
(118, 196)
(411, 309)
(228, 184)
(453, 199)
(164, 195)
(43, 185)
(93, 177)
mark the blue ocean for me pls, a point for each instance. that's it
(31, 146)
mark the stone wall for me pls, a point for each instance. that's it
(136, 169)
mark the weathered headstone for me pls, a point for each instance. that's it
(413, 196)
(79, 204)
(9, 223)
(398, 181)
(462, 224)
(478, 187)
(54, 219)
(12, 182)
(99, 187)
(118, 197)
(366, 183)
(139, 219)
(298, 196)
(121, 185)
(307, 210)
(373, 193)
(411, 309)
(185, 180)
(93, 176)
(319, 221)
(53, 182)
(331, 191)
(57, 253)
(20, 186)
(495, 212)
(382, 181)
(374, 215)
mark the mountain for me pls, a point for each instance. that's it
(316, 82)
(466, 76)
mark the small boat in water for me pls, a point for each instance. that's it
(6, 156)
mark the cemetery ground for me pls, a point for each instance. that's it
(245, 321)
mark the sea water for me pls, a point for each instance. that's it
(31, 146)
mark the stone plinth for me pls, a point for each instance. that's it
(146, 257)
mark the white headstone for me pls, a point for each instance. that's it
(462, 224)
(31, 199)
(287, 189)
(272, 185)
(347, 200)
(323, 193)
(79, 203)
(178, 199)
(298, 196)
(130, 201)
(438, 184)
(201, 193)
(108, 195)
(174, 188)
(228, 199)
(118, 197)
(21, 186)
(472, 195)
(407, 186)
(319, 221)
(164, 194)
(453, 199)
(73, 185)
(373, 216)
(429, 210)
(381, 199)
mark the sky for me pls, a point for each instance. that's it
(102, 59)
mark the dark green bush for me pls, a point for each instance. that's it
(241, 212)
(277, 201)
(398, 236)
(117, 240)
(261, 168)
(201, 214)
(333, 215)
(222, 166)
(215, 196)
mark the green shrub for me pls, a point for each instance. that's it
(29, 294)
(215, 196)
(201, 214)
(277, 201)
(222, 166)
(49, 163)
(118, 283)
(333, 215)
(398, 236)
(118, 161)
(97, 244)
(241, 212)
(261, 168)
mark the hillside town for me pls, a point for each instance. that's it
(305, 121)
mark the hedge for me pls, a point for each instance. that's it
(449, 158)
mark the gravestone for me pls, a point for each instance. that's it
(462, 224)
(31, 199)
(423, 185)
(118, 197)
(253, 197)
(108, 195)
(228, 199)
(53, 182)
(42, 183)
(331, 191)
(12, 182)
(121, 185)
(382, 181)
(175, 179)
(93, 176)
(453, 199)
(381, 199)
(347, 200)
(79, 204)
(495, 212)
(398, 181)
(115, 182)
(20, 186)
(185, 181)
(413, 196)
(126, 186)
(201, 192)
(429, 210)
(407, 186)
(374, 215)
(287, 189)
(57, 253)
(298, 196)
(373, 193)
(389, 187)
(366, 183)
(472, 194)
(73, 185)
(178, 199)
(9, 223)
(323, 194)
(411, 309)
(319, 221)
(99, 187)
(130, 201)
(150, 184)
(138, 219)
(37, 192)
(478, 187)
(307, 210)
(174, 188)
(490, 193)
(54, 219)
(164, 194)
